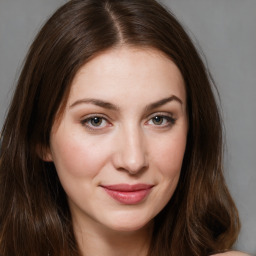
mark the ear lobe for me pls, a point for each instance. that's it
(44, 153)
(47, 157)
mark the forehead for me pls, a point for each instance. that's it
(128, 72)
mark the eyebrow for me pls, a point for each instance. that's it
(100, 103)
(108, 105)
(163, 102)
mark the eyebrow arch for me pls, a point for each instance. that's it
(96, 102)
(111, 106)
(163, 102)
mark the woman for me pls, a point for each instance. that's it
(112, 144)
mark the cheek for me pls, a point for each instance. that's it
(169, 156)
(78, 157)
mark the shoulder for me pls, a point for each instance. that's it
(232, 253)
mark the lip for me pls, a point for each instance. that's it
(128, 194)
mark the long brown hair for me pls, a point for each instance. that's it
(200, 218)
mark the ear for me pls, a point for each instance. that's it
(44, 153)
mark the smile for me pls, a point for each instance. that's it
(128, 194)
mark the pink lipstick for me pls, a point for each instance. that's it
(128, 194)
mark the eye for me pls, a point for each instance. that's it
(161, 120)
(95, 122)
(158, 120)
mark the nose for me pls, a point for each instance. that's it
(131, 154)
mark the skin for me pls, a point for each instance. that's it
(136, 141)
(232, 253)
(125, 122)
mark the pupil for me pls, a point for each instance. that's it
(96, 121)
(158, 120)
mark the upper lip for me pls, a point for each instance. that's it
(128, 187)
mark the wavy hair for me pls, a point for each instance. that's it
(201, 217)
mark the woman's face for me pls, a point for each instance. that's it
(119, 146)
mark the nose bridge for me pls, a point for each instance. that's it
(132, 153)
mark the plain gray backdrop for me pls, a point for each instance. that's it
(225, 30)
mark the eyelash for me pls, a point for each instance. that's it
(169, 119)
(88, 119)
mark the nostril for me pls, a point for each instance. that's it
(131, 152)
(137, 171)
(133, 167)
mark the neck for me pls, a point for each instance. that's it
(94, 241)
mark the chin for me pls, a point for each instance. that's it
(130, 224)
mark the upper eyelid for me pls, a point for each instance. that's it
(85, 122)
(89, 116)
(161, 113)
(109, 119)
(168, 115)
(86, 119)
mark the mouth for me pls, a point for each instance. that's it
(128, 194)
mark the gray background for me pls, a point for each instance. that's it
(226, 32)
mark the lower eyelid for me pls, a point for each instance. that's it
(172, 119)
(168, 122)
(88, 117)
(85, 122)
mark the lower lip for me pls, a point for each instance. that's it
(131, 197)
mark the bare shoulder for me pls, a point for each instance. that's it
(232, 253)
